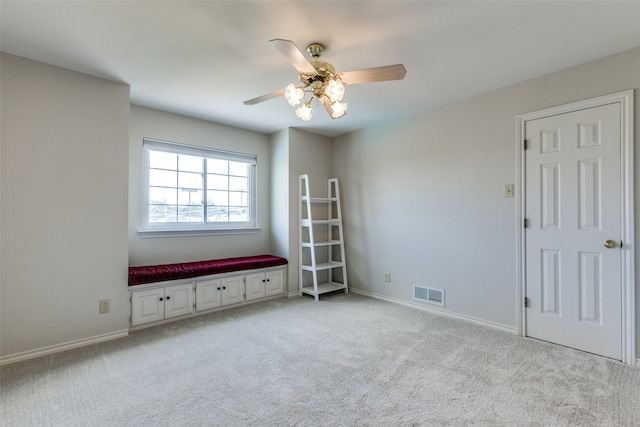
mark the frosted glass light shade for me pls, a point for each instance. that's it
(293, 94)
(338, 109)
(334, 90)
(304, 111)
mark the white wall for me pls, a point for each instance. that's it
(64, 205)
(424, 196)
(149, 123)
(295, 152)
(280, 221)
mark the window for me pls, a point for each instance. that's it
(194, 188)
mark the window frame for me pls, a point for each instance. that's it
(200, 228)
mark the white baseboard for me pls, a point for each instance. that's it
(32, 354)
(504, 328)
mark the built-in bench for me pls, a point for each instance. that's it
(188, 270)
(162, 292)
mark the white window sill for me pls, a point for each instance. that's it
(169, 232)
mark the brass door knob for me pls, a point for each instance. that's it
(609, 244)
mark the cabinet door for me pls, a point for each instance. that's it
(255, 283)
(147, 306)
(178, 300)
(232, 290)
(275, 282)
(208, 294)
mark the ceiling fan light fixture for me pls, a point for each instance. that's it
(320, 81)
(338, 109)
(293, 94)
(304, 111)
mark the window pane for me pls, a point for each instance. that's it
(189, 163)
(191, 213)
(238, 184)
(162, 213)
(218, 166)
(188, 196)
(190, 180)
(238, 214)
(162, 160)
(217, 182)
(237, 198)
(217, 198)
(162, 196)
(238, 169)
(162, 178)
(217, 213)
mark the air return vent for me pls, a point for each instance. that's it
(432, 296)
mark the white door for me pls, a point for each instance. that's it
(178, 300)
(255, 286)
(208, 294)
(573, 208)
(147, 306)
(275, 282)
(232, 291)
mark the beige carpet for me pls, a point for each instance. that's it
(345, 361)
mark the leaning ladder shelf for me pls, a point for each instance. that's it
(323, 266)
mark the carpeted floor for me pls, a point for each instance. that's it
(348, 360)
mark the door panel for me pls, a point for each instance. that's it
(573, 204)
(208, 294)
(178, 300)
(147, 306)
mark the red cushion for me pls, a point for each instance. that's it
(186, 270)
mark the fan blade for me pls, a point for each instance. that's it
(264, 97)
(376, 74)
(291, 52)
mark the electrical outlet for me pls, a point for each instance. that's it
(387, 277)
(105, 305)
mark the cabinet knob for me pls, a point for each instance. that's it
(161, 299)
(268, 280)
(218, 288)
(168, 298)
(263, 280)
(224, 287)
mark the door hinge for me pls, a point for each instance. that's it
(526, 144)
(526, 302)
(526, 223)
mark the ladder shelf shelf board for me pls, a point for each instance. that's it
(321, 241)
(318, 244)
(323, 266)
(332, 221)
(323, 288)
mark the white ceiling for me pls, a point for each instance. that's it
(204, 58)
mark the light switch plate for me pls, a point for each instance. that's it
(507, 190)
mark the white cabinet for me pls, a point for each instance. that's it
(161, 301)
(152, 305)
(264, 284)
(216, 293)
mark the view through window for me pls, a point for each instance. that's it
(197, 186)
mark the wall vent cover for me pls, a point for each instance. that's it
(429, 295)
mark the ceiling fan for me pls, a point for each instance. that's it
(319, 79)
